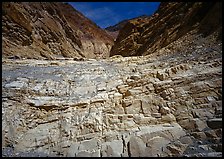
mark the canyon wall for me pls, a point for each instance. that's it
(50, 30)
(143, 36)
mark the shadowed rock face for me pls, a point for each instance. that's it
(49, 30)
(114, 30)
(143, 36)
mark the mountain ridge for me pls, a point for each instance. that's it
(51, 30)
(145, 36)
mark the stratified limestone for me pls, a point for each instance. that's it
(115, 107)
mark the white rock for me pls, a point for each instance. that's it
(16, 84)
(112, 149)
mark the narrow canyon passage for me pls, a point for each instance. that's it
(135, 79)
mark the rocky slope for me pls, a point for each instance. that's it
(169, 23)
(167, 103)
(163, 104)
(114, 30)
(50, 30)
(120, 25)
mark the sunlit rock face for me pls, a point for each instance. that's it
(143, 36)
(166, 104)
(51, 30)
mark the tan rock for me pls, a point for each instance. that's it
(133, 92)
(134, 108)
(211, 134)
(122, 88)
(135, 77)
(174, 149)
(168, 118)
(136, 147)
(165, 110)
(193, 124)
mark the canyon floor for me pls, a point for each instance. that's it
(165, 104)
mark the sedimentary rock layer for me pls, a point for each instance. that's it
(143, 36)
(50, 30)
(168, 104)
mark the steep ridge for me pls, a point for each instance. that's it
(121, 24)
(169, 23)
(114, 30)
(51, 30)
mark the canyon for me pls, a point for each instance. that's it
(165, 102)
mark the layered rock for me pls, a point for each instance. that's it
(143, 36)
(164, 104)
(114, 30)
(51, 30)
(116, 107)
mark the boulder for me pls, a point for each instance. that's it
(154, 146)
(89, 145)
(122, 88)
(168, 118)
(193, 124)
(112, 149)
(156, 115)
(211, 134)
(186, 140)
(168, 93)
(136, 147)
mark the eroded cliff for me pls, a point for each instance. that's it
(50, 30)
(143, 36)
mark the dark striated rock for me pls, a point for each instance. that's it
(215, 123)
(143, 36)
(50, 30)
(114, 30)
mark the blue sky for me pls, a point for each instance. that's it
(105, 14)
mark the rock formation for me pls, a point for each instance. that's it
(50, 30)
(166, 104)
(114, 30)
(143, 36)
